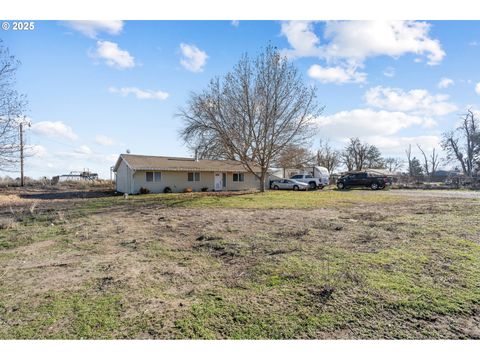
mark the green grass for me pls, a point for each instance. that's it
(61, 315)
(22, 235)
(371, 292)
(267, 200)
(407, 269)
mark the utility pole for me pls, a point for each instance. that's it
(21, 155)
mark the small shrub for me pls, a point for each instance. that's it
(187, 190)
(144, 190)
(204, 189)
(167, 190)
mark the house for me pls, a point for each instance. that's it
(158, 173)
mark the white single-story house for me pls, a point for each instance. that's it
(156, 173)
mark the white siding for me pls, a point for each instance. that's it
(178, 181)
(129, 181)
(123, 178)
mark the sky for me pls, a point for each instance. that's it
(98, 88)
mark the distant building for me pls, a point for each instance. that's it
(84, 175)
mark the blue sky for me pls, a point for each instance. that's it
(96, 89)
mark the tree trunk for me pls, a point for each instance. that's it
(262, 181)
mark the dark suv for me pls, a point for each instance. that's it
(372, 180)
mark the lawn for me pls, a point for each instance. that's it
(310, 265)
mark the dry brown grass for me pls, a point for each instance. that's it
(115, 268)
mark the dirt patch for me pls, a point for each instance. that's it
(402, 270)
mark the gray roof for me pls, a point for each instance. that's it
(144, 162)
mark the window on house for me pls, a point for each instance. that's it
(149, 175)
(193, 176)
(153, 176)
(238, 177)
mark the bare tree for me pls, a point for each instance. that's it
(293, 156)
(463, 144)
(425, 161)
(358, 155)
(251, 114)
(393, 164)
(327, 157)
(434, 161)
(430, 162)
(12, 105)
(409, 159)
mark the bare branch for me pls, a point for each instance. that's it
(252, 114)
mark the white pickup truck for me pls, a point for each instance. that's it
(318, 180)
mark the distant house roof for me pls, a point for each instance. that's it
(168, 163)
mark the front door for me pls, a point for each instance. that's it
(218, 182)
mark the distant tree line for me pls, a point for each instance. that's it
(355, 156)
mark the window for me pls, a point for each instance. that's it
(297, 177)
(152, 176)
(238, 177)
(193, 176)
(149, 175)
(359, 176)
(308, 177)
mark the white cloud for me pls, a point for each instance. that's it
(104, 140)
(445, 83)
(396, 146)
(355, 41)
(55, 129)
(113, 55)
(193, 59)
(389, 72)
(86, 154)
(477, 88)
(235, 23)
(302, 39)
(93, 28)
(417, 101)
(368, 122)
(84, 149)
(38, 151)
(336, 74)
(359, 40)
(139, 93)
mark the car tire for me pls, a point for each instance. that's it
(341, 186)
(313, 185)
(275, 187)
(295, 188)
(374, 186)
